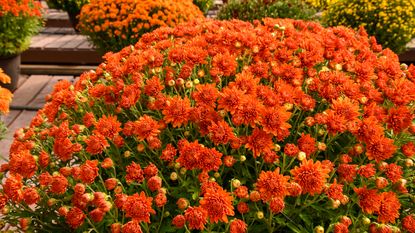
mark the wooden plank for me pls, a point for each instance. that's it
(48, 39)
(37, 38)
(23, 120)
(29, 89)
(50, 30)
(86, 45)
(23, 78)
(60, 42)
(10, 117)
(39, 100)
(77, 40)
(62, 57)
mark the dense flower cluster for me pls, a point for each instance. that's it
(223, 126)
(249, 10)
(19, 20)
(392, 22)
(113, 24)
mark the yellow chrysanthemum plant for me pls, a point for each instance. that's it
(392, 22)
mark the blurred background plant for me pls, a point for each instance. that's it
(392, 22)
(320, 4)
(72, 7)
(204, 5)
(114, 24)
(19, 21)
(249, 10)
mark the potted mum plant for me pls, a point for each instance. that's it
(223, 126)
(113, 24)
(19, 21)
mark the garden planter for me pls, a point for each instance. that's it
(73, 18)
(11, 66)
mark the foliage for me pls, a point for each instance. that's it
(5, 99)
(19, 21)
(392, 22)
(113, 24)
(249, 10)
(223, 126)
(204, 5)
(71, 6)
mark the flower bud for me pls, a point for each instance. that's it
(201, 73)
(335, 204)
(236, 183)
(180, 82)
(319, 229)
(182, 203)
(277, 147)
(173, 176)
(301, 156)
(177, 165)
(242, 158)
(288, 106)
(140, 147)
(216, 174)
(409, 162)
(366, 220)
(166, 214)
(189, 84)
(51, 202)
(183, 170)
(260, 215)
(212, 179)
(171, 83)
(196, 81)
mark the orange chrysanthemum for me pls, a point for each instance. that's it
(310, 176)
(389, 207)
(146, 127)
(218, 205)
(108, 126)
(259, 142)
(274, 121)
(96, 144)
(138, 207)
(177, 111)
(206, 95)
(23, 163)
(335, 191)
(369, 200)
(272, 184)
(238, 226)
(196, 217)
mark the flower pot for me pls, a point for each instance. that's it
(73, 18)
(11, 67)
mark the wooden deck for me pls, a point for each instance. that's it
(28, 98)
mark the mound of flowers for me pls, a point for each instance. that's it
(223, 126)
(114, 24)
(392, 22)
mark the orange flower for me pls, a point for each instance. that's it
(272, 184)
(220, 132)
(277, 205)
(146, 127)
(23, 163)
(138, 207)
(275, 121)
(259, 142)
(193, 155)
(369, 200)
(389, 207)
(96, 144)
(399, 119)
(107, 126)
(13, 187)
(132, 227)
(58, 184)
(230, 99)
(335, 191)
(394, 172)
(408, 223)
(177, 112)
(196, 217)
(179, 221)
(206, 95)
(5, 99)
(75, 217)
(380, 148)
(218, 205)
(89, 171)
(31, 196)
(247, 112)
(310, 176)
(307, 144)
(168, 153)
(238, 226)
(134, 173)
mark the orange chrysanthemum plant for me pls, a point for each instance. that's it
(114, 24)
(224, 126)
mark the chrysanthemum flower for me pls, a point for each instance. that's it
(310, 176)
(218, 205)
(196, 217)
(272, 184)
(138, 207)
